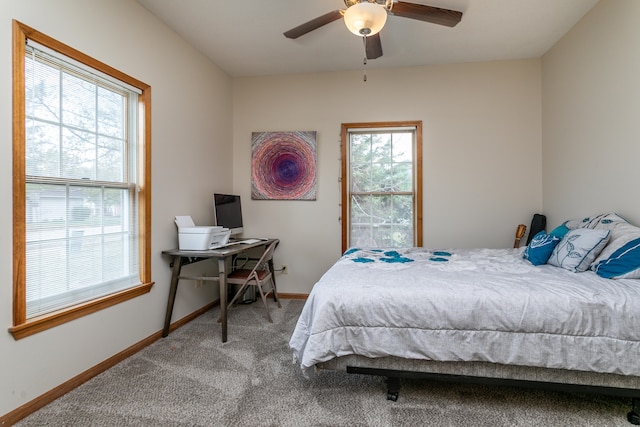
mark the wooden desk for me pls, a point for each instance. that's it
(180, 258)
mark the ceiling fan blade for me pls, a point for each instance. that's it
(435, 15)
(314, 24)
(373, 46)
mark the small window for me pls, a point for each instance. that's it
(81, 150)
(381, 185)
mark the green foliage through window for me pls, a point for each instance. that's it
(381, 188)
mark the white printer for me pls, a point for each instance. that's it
(193, 237)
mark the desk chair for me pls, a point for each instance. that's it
(258, 276)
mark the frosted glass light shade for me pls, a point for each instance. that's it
(365, 19)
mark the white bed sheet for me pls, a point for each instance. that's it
(485, 305)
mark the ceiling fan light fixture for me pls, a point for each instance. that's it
(365, 18)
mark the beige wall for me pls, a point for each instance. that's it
(481, 148)
(591, 116)
(191, 108)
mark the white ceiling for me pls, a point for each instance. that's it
(244, 37)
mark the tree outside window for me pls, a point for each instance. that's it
(381, 185)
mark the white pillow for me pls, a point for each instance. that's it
(603, 222)
(620, 259)
(578, 248)
(620, 235)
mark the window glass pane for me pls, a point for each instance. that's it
(42, 149)
(39, 271)
(78, 102)
(402, 147)
(360, 155)
(78, 154)
(115, 262)
(360, 211)
(42, 90)
(402, 210)
(361, 225)
(114, 212)
(401, 177)
(380, 177)
(360, 149)
(111, 113)
(110, 159)
(381, 148)
(360, 177)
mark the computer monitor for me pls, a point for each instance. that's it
(228, 212)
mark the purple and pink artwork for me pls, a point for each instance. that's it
(283, 165)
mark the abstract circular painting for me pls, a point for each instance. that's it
(283, 165)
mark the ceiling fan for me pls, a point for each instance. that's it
(367, 17)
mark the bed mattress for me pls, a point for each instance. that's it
(469, 305)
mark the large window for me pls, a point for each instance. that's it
(81, 175)
(381, 184)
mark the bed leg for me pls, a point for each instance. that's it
(393, 387)
(634, 415)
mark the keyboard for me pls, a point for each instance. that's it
(238, 242)
(250, 241)
(226, 245)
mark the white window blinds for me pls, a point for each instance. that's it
(81, 204)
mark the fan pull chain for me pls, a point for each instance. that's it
(365, 70)
(364, 63)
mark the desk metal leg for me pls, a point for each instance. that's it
(175, 274)
(222, 272)
(273, 277)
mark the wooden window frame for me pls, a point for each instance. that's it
(23, 327)
(344, 134)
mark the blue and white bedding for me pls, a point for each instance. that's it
(484, 305)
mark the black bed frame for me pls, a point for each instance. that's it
(393, 385)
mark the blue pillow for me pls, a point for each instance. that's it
(579, 248)
(540, 247)
(560, 230)
(624, 263)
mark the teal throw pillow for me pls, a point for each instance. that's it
(540, 248)
(560, 231)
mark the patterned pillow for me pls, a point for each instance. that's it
(620, 259)
(578, 248)
(540, 247)
(622, 264)
(599, 222)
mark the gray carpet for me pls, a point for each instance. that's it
(191, 378)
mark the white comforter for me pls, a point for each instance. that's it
(485, 305)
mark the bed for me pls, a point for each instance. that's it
(489, 315)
